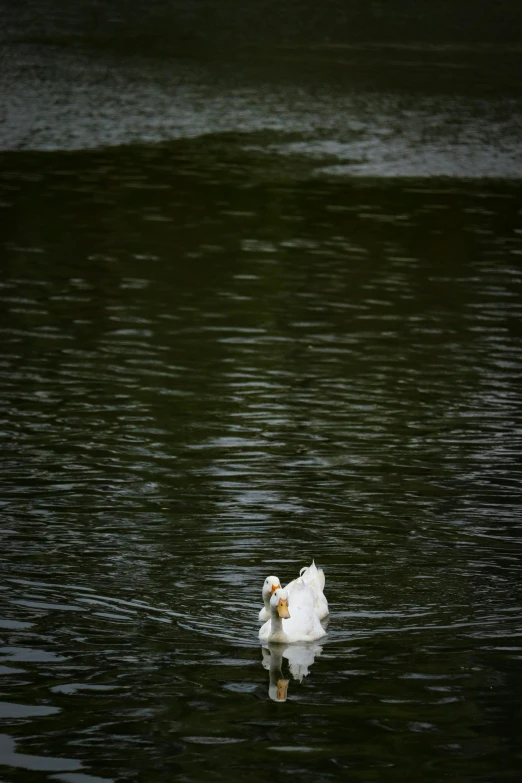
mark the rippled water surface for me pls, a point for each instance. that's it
(212, 370)
(384, 111)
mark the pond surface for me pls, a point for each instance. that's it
(220, 359)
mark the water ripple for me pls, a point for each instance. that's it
(339, 382)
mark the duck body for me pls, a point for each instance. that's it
(292, 617)
(315, 579)
(309, 575)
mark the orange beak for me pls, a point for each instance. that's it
(274, 588)
(282, 608)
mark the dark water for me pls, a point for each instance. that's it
(246, 321)
(208, 377)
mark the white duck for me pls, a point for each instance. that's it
(292, 617)
(312, 576)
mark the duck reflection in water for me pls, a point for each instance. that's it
(299, 656)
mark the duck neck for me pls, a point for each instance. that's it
(277, 623)
(266, 599)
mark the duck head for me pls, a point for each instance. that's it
(270, 585)
(279, 603)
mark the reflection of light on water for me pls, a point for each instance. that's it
(299, 656)
(355, 133)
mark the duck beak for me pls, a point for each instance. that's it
(274, 588)
(282, 608)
